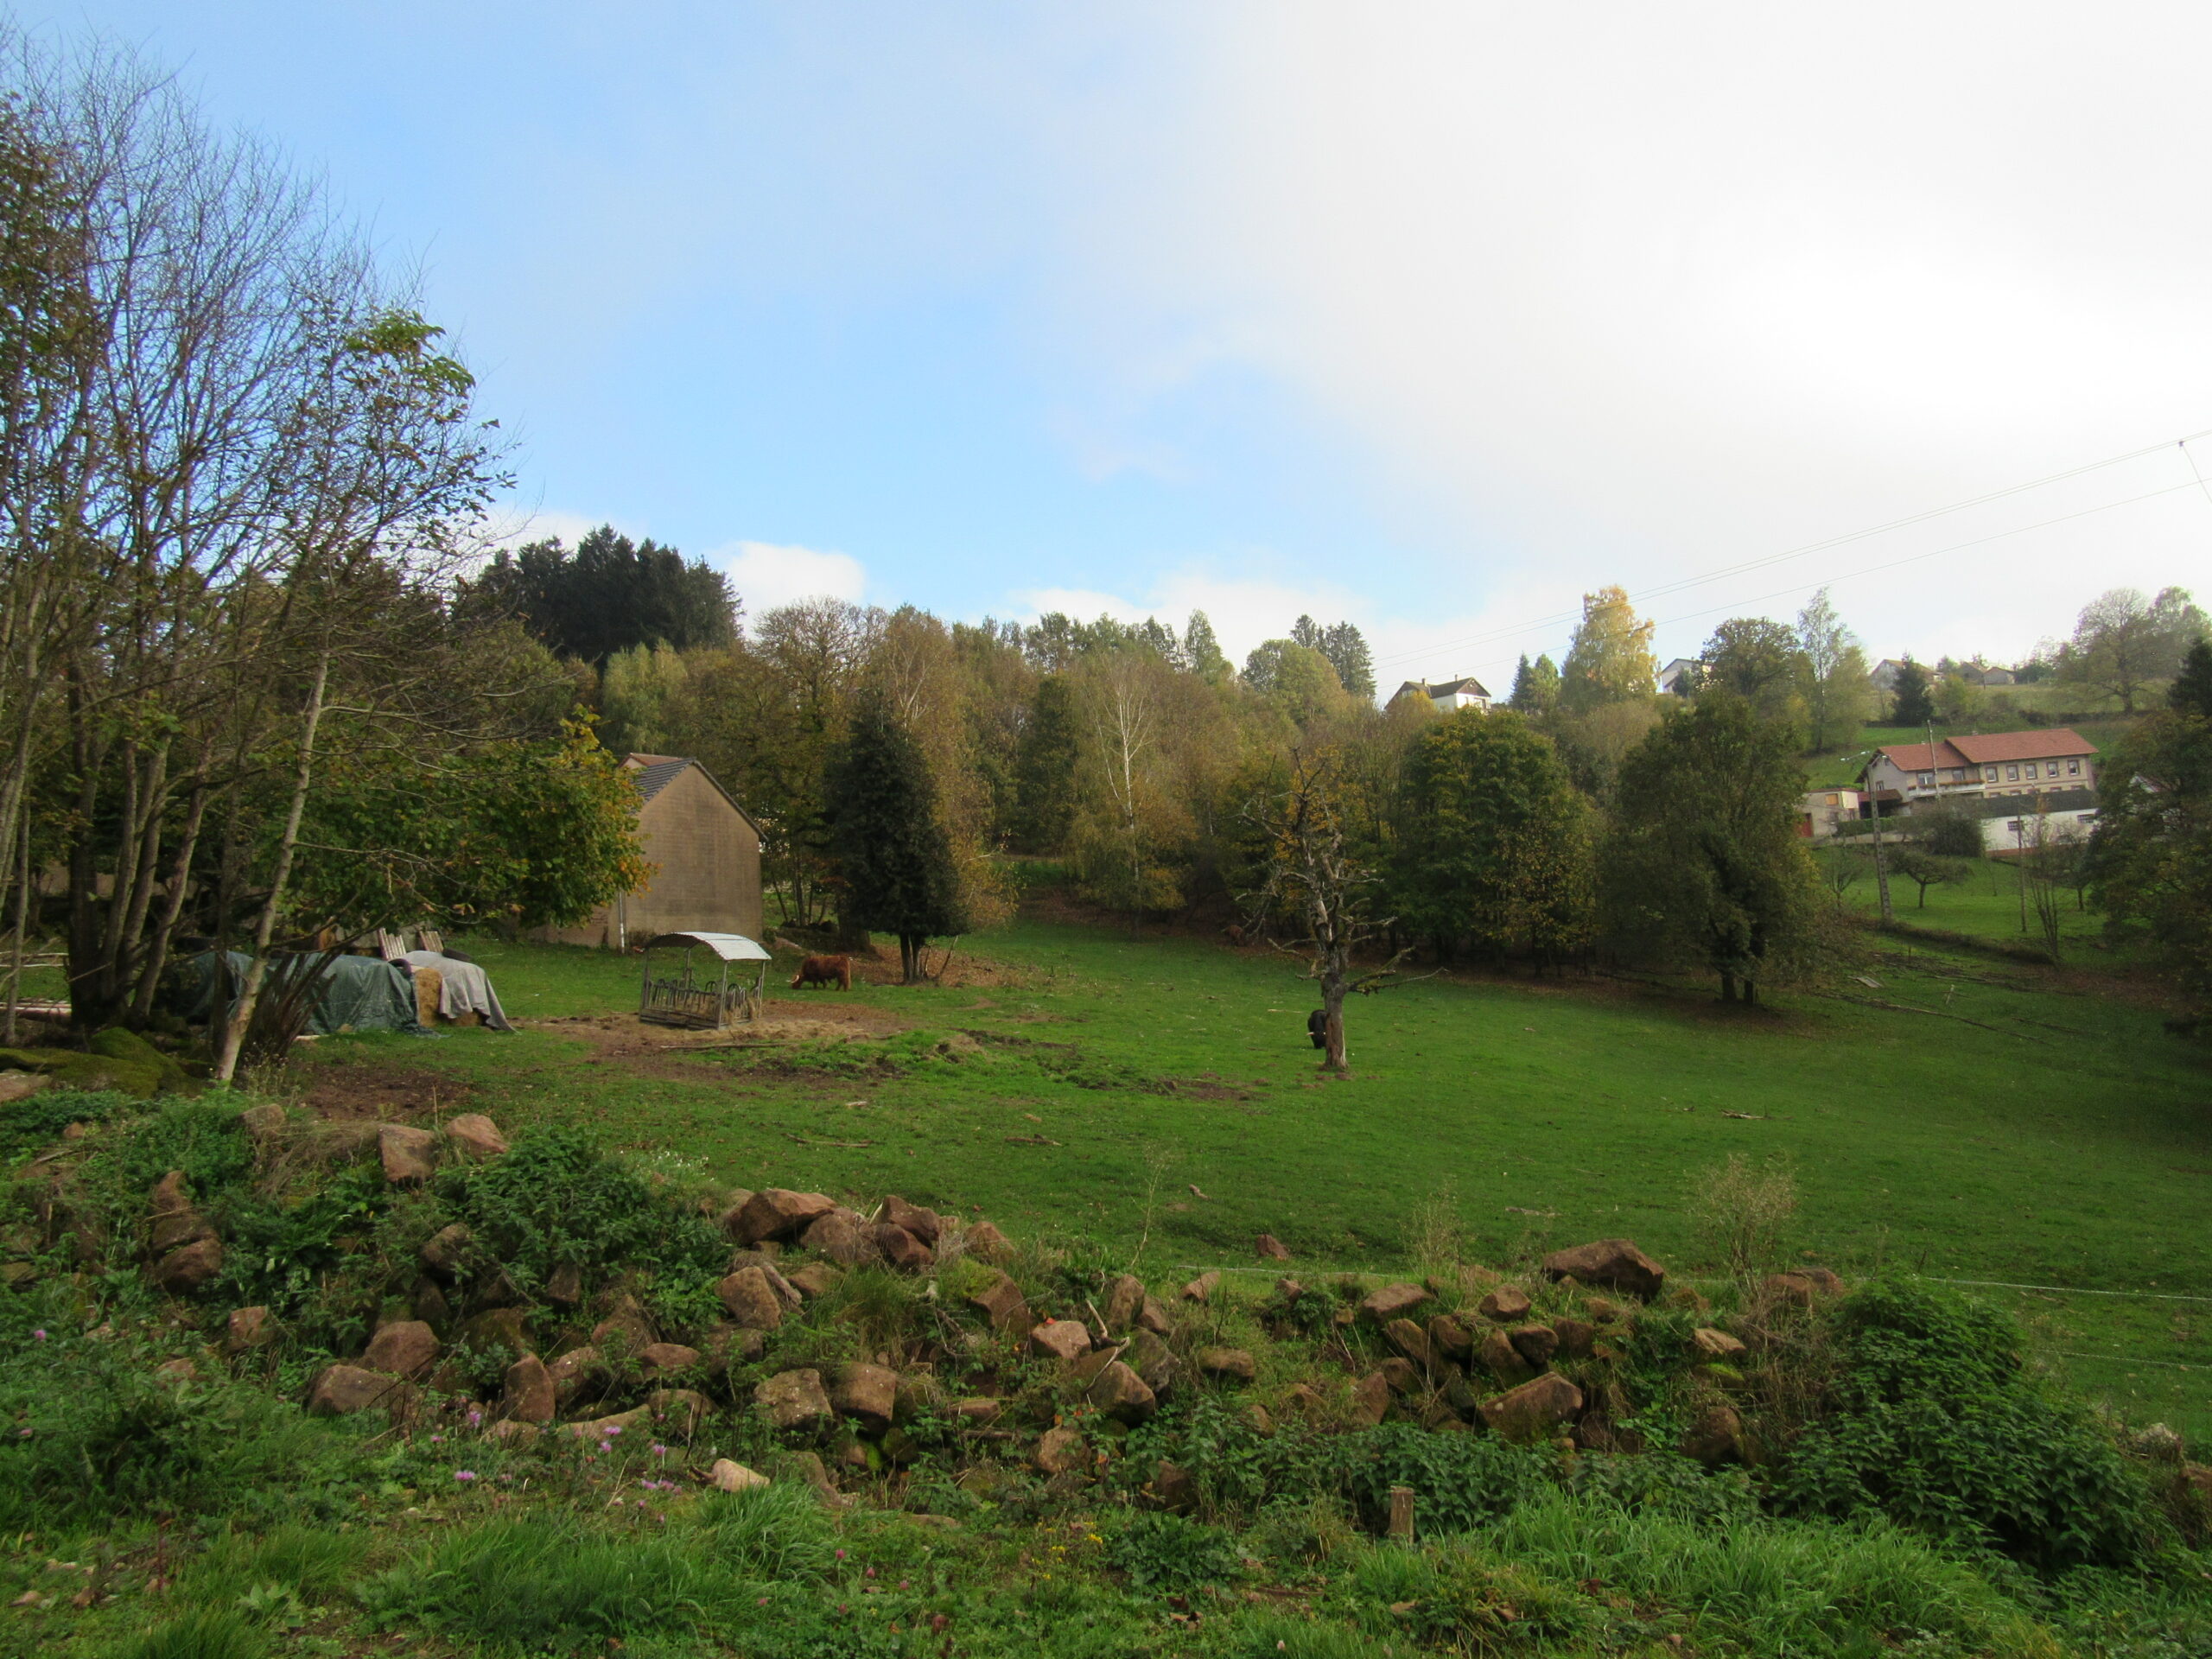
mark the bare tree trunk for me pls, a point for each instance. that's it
(157, 952)
(16, 934)
(241, 1014)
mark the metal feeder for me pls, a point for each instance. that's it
(674, 995)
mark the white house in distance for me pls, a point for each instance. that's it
(2005, 763)
(1679, 677)
(1449, 696)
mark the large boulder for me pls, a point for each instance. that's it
(870, 1393)
(900, 1248)
(1535, 1344)
(1393, 1301)
(1716, 1437)
(528, 1393)
(341, 1390)
(408, 1154)
(751, 1301)
(247, 1329)
(1534, 1410)
(659, 1359)
(1061, 1452)
(1226, 1365)
(475, 1135)
(188, 1267)
(496, 1328)
(1061, 1339)
(794, 1400)
(924, 1225)
(987, 1243)
(1003, 1303)
(1412, 1341)
(1614, 1262)
(1505, 1305)
(842, 1235)
(1371, 1400)
(777, 1212)
(21, 1085)
(1125, 1299)
(1121, 1394)
(1152, 1359)
(404, 1347)
(445, 1251)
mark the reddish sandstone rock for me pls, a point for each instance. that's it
(1202, 1288)
(1504, 1304)
(843, 1237)
(1061, 1452)
(986, 1243)
(1535, 1344)
(187, 1267)
(659, 1359)
(870, 1393)
(527, 1393)
(1450, 1338)
(1371, 1400)
(476, 1136)
(1533, 1410)
(1121, 1394)
(1002, 1304)
(777, 1212)
(901, 1250)
(1271, 1248)
(1613, 1262)
(750, 1301)
(1226, 1365)
(249, 1327)
(924, 1225)
(1060, 1339)
(1715, 1344)
(1393, 1300)
(341, 1390)
(794, 1400)
(408, 1154)
(404, 1347)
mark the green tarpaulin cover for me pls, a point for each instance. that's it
(359, 994)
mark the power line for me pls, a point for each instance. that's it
(1686, 582)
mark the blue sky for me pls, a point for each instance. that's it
(1433, 317)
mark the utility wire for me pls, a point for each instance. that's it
(1683, 583)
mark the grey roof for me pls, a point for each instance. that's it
(657, 771)
(2013, 806)
(730, 947)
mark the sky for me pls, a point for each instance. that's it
(1431, 317)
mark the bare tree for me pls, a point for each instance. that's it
(1312, 874)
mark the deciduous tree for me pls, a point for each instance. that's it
(1704, 863)
(1610, 659)
(2124, 643)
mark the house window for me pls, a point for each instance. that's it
(2012, 826)
(2052, 770)
(1927, 780)
(1989, 774)
(1836, 800)
(2013, 774)
(2073, 768)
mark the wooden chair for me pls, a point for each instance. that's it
(429, 939)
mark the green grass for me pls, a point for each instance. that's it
(1985, 904)
(2062, 1141)
(1842, 767)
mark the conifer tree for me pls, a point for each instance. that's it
(1536, 686)
(1202, 648)
(2191, 691)
(1912, 700)
(1045, 765)
(892, 853)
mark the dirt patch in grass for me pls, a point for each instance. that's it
(352, 1091)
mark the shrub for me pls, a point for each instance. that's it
(558, 1200)
(1936, 1423)
(1738, 1211)
(1171, 1552)
(37, 1119)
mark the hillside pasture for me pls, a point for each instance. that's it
(1158, 1096)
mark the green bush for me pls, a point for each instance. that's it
(1169, 1552)
(37, 1119)
(558, 1200)
(1936, 1423)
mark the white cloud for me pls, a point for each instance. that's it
(766, 575)
(1627, 294)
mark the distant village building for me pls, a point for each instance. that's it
(1449, 696)
(708, 854)
(1679, 678)
(1883, 675)
(1822, 812)
(2014, 826)
(2005, 763)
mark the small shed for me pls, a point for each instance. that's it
(701, 992)
(706, 851)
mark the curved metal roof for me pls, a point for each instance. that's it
(730, 947)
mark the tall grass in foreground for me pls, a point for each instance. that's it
(1782, 1588)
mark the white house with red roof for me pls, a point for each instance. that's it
(2005, 763)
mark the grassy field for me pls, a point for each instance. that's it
(1842, 766)
(1986, 904)
(1994, 1124)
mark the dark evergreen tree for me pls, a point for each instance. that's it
(2191, 691)
(1911, 702)
(1044, 769)
(1346, 649)
(892, 856)
(1307, 633)
(609, 595)
(1704, 863)
(1536, 686)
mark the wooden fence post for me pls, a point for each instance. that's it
(1401, 1513)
